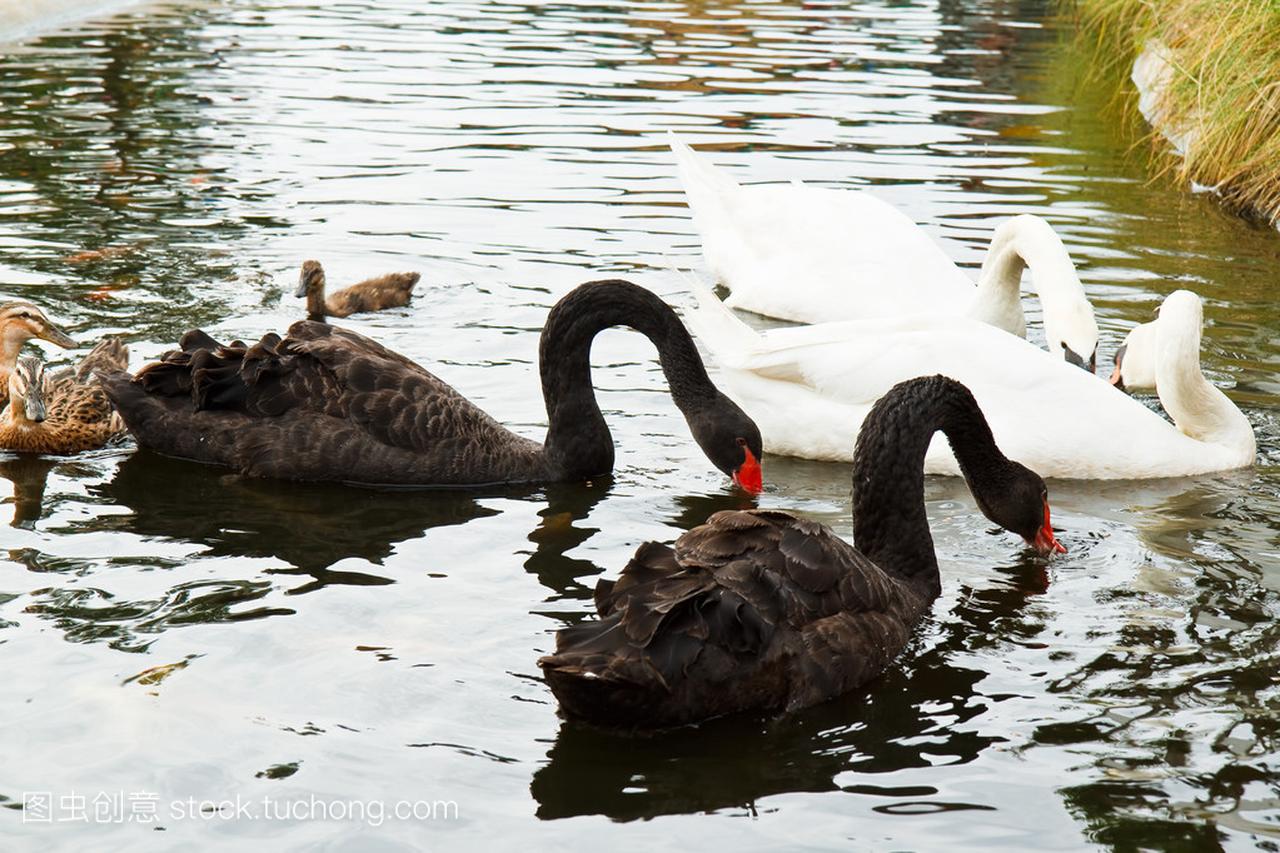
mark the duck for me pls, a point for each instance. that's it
(809, 387)
(392, 290)
(20, 322)
(810, 255)
(75, 417)
(324, 403)
(761, 610)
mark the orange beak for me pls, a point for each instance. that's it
(1044, 541)
(749, 477)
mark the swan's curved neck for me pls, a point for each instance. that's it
(578, 443)
(1197, 406)
(1025, 241)
(889, 521)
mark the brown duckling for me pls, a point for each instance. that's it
(19, 323)
(386, 291)
(67, 418)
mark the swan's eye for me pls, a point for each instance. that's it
(741, 442)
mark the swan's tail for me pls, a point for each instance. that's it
(706, 188)
(728, 339)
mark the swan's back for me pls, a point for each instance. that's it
(755, 609)
(809, 388)
(323, 403)
(810, 254)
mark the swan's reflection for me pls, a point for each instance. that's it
(912, 717)
(309, 526)
(556, 534)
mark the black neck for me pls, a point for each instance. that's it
(578, 442)
(889, 521)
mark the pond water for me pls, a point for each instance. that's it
(172, 635)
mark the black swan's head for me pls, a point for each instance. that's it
(312, 277)
(1015, 498)
(731, 441)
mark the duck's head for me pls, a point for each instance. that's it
(26, 390)
(1135, 368)
(22, 321)
(310, 279)
(1020, 504)
(731, 441)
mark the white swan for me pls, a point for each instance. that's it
(809, 387)
(1135, 365)
(811, 255)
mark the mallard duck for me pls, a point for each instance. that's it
(325, 403)
(758, 610)
(68, 417)
(386, 291)
(19, 323)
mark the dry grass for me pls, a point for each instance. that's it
(1225, 88)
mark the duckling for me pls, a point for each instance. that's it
(386, 291)
(69, 418)
(19, 323)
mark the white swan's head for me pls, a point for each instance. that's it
(1027, 241)
(1072, 332)
(1173, 336)
(1135, 368)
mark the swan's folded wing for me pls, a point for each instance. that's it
(395, 400)
(801, 570)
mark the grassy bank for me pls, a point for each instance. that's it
(1221, 93)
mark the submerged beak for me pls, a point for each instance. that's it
(1044, 541)
(1116, 379)
(54, 335)
(1073, 358)
(749, 477)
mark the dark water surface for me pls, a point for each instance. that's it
(168, 632)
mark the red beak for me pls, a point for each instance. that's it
(748, 476)
(1044, 541)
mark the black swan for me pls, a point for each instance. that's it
(325, 403)
(392, 290)
(760, 610)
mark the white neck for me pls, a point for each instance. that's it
(1198, 408)
(1028, 241)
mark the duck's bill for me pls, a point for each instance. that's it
(34, 406)
(54, 335)
(301, 291)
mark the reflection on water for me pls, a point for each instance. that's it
(310, 527)
(171, 167)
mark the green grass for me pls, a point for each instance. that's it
(1225, 89)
